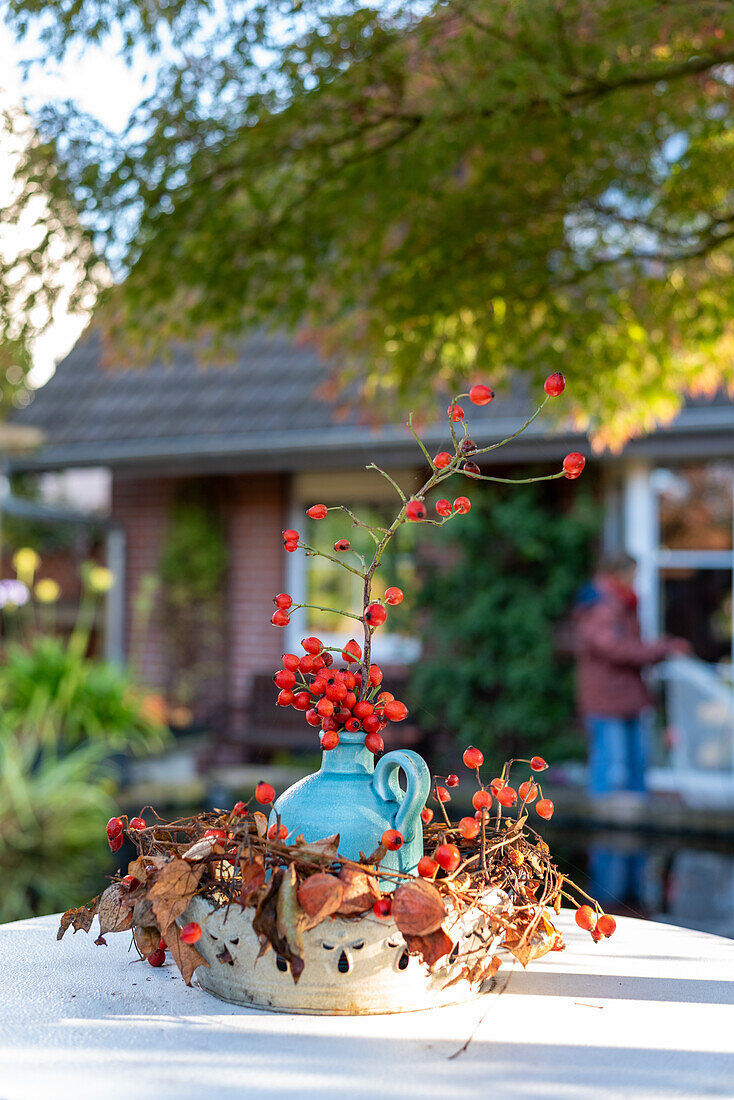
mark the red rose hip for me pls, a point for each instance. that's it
(473, 758)
(191, 932)
(375, 615)
(554, 384)
(586, 918)
(447, 856)
(481, 395)
(264, 793)
(573, 464)
(415, 510)
(392, 840)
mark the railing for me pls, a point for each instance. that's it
(699, 706)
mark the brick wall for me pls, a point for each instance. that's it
(255, 512)
(141, 506)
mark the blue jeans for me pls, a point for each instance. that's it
(617, 754)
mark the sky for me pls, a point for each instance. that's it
(96, 78)
(101, 83)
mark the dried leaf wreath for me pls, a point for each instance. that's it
(228, 859)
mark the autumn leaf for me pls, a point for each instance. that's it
(205, 846)
(418, 908)
(531, 941)
(476, 969)
(289, 918)
(265, 920)
(319, 897)
(139, 868)
(253, 877)
(115, 910)
(80, 919)
(173, 889)
(327, 846)
(261, 823)
(430, 948)
(185, 955)
(276, 920)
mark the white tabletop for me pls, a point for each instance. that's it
(649, 1013)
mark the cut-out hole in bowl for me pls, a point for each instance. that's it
(343, 963)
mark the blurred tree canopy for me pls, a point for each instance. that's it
(434, 190)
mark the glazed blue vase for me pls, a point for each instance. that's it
(351, 796)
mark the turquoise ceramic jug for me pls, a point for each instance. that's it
(351, 796)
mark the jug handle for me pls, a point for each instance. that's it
(417, 786)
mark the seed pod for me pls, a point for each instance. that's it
(418, 908)
(360, 892)
(319, 896)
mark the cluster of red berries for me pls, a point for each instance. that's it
(598, 924)
(328, 696)
(115, 830)
(375, 614)
(499, 789)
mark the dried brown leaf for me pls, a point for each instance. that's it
(185, 955)
(201, 849)
(261, 823)
(265, 921)
(431, 948)
(418, 908)
(289, 921)
(139, 869)
(526, 944)
(276, 919)
(327, 846)
(115, 910)
(173, 889)
(79, 919)
(253, 877)
(143, 915)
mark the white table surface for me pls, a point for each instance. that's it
(649, 1013)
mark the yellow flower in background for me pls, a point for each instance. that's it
(47, 590)
(26, 561)
(99, 578)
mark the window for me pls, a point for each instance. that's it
(322, 583)
(690, 554)
(695, 507)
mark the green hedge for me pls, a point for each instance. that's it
(491, 672)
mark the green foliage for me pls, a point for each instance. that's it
(194, 556)
(490, 673)
(435, 189)
(63, 716)
(46, 686)
(192, 569)
(53, 805)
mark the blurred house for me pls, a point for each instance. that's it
(258, 440)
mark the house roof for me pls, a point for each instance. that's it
(265, 409)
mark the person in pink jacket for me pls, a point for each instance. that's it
(611, 692)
